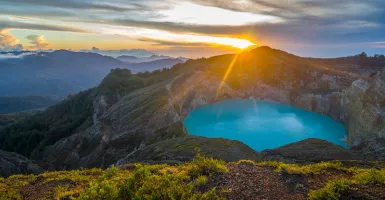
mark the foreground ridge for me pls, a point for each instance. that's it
(205, 178)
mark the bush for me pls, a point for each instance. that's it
(104, 190)
(152, 186)
(110, 172)
(201, 165)
(155, 182)
(8, 193)
(373, 176)
(332, 190)
(201, 180)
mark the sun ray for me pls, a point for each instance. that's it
(227, 74)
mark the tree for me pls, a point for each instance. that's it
(363, 55)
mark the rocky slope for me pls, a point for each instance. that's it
(309, 150)
(181, 149)
(12, 163)
(132, 118)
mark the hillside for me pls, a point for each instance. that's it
(32, 134)
(205, 178)
(136, 117)
(25, 103)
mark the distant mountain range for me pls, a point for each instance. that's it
(120, 52)
(63, 72)
(154, 65)
(133, 59)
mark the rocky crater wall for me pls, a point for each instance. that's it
(360, 107)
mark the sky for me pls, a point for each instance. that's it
(196, 28)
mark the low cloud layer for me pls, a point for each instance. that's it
(38, 42)
(8, 42)
(14, 56)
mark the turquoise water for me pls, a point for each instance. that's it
(262, 125)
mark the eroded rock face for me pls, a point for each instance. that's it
(364, 108)
(141, 117)
(12, 163)
(372, 149)
(361, 107)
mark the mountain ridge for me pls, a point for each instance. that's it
(128, 111)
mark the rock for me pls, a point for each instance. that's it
(12, 163)
(364, 104)
(185, 148)
(373, 149)
(309, 150)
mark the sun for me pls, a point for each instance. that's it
(242, 44)
(234, 42)
(165, 36)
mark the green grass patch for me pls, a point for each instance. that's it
(335, 188)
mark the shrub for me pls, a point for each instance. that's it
(332, 190)
(103, 190)
(65, 192)
(201, 180)
(8, 193)
(306, 169)
(147, 183)
(110, 172)
(370, 176)
(201, 165)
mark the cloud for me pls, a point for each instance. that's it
(36, 26)
(38, 42)
(304, 22)
(76, 4)
(8, 42)
(14, 56)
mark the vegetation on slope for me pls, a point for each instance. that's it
(129, 182)
(34, 133)
(45, 128)
(204, 178)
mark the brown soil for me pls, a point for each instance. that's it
(248, 181)
(365, 192)
(41, 190)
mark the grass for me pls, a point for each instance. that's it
(335, 188)
(142, 182)
(316, 168)
(162, 181)
(332, 190)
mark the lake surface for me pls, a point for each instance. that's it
(262, 125)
